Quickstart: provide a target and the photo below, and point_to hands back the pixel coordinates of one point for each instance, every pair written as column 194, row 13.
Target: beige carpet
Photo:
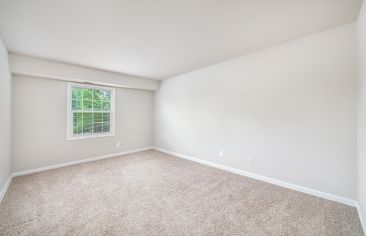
column 151, row 193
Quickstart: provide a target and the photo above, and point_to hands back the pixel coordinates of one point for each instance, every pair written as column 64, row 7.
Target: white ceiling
column 161, row 38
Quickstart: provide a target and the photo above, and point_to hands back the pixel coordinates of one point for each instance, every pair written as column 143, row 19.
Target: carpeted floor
column 151, row 193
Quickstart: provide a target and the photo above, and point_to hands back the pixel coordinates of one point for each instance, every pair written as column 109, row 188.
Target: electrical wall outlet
column 251, row 159
column 118, row 144
column 221, row 153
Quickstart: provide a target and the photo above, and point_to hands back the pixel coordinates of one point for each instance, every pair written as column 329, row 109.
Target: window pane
column 106, row 95
column 76, row 93
column 87, row 105
column 98, row 117
column 87, row 123
column 106, row 117
column 76, row 105
column 87, row 94
column 106, row 106
column 78, row 130
column 97, row 105
column 90, row 109
column 77, row 117
column 97, row 94
column 97, row 128
column 106, row 127
column 77, row 123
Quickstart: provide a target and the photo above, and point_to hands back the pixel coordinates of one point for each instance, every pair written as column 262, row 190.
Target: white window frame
column 70, row 132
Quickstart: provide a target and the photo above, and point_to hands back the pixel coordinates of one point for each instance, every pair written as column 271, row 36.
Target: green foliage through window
column 91, row 110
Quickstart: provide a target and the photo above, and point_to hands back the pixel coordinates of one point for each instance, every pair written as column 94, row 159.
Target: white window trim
column 69, row 125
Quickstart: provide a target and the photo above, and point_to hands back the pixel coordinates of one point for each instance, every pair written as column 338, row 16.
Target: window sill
column 89, row 136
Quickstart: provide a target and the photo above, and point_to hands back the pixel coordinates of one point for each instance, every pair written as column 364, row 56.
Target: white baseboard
column 5, row 187
column 26, row 172
column 360, row 215
column 281, row 183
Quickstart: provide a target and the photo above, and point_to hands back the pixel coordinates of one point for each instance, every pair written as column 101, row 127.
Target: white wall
column 291, row 107
column 36, row 67
column 39, row 124
column 361, row 128
column 5, row 115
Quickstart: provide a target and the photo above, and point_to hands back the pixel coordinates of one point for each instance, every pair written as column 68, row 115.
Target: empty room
column 182, row 117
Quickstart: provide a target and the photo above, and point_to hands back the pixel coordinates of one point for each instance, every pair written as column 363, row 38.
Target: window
column 90, row 111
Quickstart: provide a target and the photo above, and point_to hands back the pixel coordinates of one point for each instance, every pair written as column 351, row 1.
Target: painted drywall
column 39, row 124
column 291, row 107
column 5, row 117
column 36, row 67
column 361, row 111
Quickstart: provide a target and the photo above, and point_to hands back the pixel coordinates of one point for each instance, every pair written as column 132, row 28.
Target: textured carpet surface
column 151, row 193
